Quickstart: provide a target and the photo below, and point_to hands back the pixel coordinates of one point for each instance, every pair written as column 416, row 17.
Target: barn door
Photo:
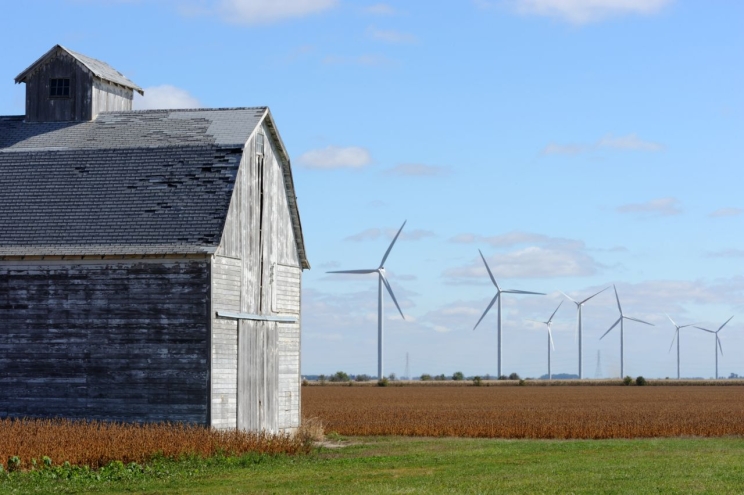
column 258, row 376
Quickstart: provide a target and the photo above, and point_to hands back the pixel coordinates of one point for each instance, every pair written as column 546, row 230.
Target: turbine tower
column 497, row 297
column 382, row 280
column 579, row 305
column 620, row 321
column 549, row 323
column 676, row 336
column 718, row 341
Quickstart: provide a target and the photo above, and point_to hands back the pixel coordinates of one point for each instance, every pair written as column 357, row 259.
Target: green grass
column 449, row 465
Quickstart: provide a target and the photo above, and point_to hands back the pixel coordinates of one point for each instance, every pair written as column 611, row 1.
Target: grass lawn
column 446, row 465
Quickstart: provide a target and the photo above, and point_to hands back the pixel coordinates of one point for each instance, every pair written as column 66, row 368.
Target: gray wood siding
column 268, row 354
column 113, row 340
column 226, row 273
column 40, row 107
column 107, row 97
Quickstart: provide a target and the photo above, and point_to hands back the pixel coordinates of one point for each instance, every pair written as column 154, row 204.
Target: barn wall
column 107, row 97
column 115, row 340
column 264, row 356
column 41, row 108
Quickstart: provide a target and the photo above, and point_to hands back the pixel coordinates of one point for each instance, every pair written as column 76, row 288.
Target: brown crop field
column 95, row 444
column 528, row 412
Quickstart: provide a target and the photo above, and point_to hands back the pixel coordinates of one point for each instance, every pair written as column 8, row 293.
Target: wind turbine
column 718, row 341
column 497, row 297
column 620, row 321
column 676, row 336
column 549, row 323
column 380, row 271
column 579, row 305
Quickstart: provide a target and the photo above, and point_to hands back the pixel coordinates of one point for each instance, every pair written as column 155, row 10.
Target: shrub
column 425, row 377
column 521, row 383
column 383, row 383
column 457, row 375
column 514, row 376
column 322, row 379
column 477, row 381
column 627, row 380
column 640, row 381
column 340, row 376
column 305, row 383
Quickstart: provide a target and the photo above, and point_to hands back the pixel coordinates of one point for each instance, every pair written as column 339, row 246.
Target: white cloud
column 630, row 142
column 726, row 212
column 391, row 36
column 661, row 207
column 406, row 235
column 333, row 157
column 163, row 97
column 268, row 11
column 417, row 170
column 517, row 237
column 587, row 11
column 379, row 9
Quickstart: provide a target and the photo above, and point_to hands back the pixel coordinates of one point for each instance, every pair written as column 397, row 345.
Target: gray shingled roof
column 100, row 69
column 143, row 182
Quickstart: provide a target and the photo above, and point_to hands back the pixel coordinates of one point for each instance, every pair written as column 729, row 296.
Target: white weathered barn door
column 258, row 376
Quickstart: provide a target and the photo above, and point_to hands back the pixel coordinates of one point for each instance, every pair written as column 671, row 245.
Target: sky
column 577, row 143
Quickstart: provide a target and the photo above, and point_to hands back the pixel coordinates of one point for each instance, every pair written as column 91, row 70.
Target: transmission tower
column 598, row 371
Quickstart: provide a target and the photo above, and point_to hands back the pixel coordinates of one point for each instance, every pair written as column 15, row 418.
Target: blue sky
column 577, row 143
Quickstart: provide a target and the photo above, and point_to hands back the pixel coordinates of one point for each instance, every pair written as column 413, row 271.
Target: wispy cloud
column 391, row 36
column 417, row 170
column 727, row 253
column 630, row 142
column 726, row 212
column 333, row 157
column 536, row 256
column 367, row 60
column 269, row 11
column 379, row 9
column 581, row 12
column 661, row 207
column 163, row 97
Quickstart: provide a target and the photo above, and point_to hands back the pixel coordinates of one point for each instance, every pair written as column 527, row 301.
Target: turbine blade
column 554, row 312
column 613, row 326
column 676, row 335
column 639, row 321
column 670, row 319
column 598, row 293
column 690, row 325
column 569, row 297
column 719, row 344
column 705, row 330
column 354, row 271
column 390, row 291
column 489, row 270
column 490, row 305
column 382, row 263
column 618, row 300
column 719, row 328
column 523, row 292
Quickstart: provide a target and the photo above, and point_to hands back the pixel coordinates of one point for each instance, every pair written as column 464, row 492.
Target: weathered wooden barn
column 150, row 261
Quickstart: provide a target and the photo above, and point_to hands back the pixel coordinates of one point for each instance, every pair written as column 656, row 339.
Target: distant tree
column 502, row 377
column 627, row 380
column 733, row 376
column 477, row 381
column 640, row 381
column 457, row 376
column 362, row 378
column 392, row 377
column 425, row 377
column 339, row 376
column 322, row 379
column 486, row 376
column 440, row 377
column 514, row 376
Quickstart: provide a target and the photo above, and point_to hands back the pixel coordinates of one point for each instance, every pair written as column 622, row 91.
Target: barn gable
column 133, row 245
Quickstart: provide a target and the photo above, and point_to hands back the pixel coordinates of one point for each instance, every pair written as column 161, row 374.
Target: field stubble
column 529, row 412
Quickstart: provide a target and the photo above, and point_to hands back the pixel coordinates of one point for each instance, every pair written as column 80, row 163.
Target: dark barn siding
column 112, row 340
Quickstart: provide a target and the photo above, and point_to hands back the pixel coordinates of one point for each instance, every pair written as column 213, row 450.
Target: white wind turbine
column 718, row 341
column 579, row 305
column 676, row 336
column 620, row 321
column 497, row 297
column 380, row 271
column 549, row 323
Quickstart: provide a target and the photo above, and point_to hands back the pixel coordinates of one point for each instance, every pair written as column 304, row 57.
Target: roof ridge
column 200, row 109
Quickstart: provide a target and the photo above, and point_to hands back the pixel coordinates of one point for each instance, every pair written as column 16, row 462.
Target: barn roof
column 100, row 69
column 128, row 183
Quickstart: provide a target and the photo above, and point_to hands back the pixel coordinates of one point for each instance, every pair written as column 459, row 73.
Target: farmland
column 564, row 412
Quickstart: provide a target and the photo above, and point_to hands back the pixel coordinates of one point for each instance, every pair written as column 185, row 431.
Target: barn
column 150, row 261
